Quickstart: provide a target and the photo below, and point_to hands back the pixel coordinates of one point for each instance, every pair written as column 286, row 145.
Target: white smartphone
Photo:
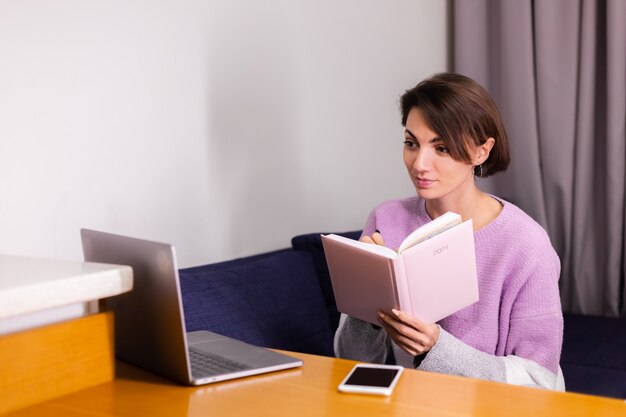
column 371, row 379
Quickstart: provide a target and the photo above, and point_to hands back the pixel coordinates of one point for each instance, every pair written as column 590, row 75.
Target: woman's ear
column 482, row 152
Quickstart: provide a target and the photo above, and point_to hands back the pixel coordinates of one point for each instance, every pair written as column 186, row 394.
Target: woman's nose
column 422, row 161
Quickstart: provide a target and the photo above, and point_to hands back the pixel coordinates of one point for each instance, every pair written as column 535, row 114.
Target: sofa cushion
column 232, row 262
column 271, row 300
column 593, row 359
column 594, row 341
column 593, row 380
column 312, row 243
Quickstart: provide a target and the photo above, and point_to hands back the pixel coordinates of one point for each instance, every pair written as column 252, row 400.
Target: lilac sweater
column 519, row 309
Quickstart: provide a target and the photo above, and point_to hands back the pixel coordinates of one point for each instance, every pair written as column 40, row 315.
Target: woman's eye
column 409, row 143
column 442, row 149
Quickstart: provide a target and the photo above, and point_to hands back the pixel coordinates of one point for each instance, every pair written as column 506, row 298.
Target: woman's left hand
column 412, row 335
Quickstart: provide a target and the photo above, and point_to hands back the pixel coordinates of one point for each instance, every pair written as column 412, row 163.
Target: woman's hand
column 412, row 335
column 376, row 239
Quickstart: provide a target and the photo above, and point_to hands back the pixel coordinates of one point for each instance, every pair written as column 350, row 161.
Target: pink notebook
column 430, row 280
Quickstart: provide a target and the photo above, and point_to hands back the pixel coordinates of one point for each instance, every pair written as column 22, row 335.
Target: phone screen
column 372, row 377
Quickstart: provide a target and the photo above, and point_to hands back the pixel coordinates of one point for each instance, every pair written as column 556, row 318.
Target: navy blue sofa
column 284, row 300
column 594, row 355
column 281, row 299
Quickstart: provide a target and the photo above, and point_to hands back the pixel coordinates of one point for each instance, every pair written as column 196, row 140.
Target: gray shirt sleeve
column 358, row 340
column 452, row 356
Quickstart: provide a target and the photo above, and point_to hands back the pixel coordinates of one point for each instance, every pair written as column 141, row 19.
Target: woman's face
column 432, row 170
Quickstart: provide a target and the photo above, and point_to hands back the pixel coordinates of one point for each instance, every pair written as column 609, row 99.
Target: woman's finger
column 366, row 239
column 419, row 340
column 406, row 331
column 409, row 320
column 404, row 342
column 378, row 238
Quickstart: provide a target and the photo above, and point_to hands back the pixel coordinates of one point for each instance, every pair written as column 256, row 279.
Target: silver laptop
column 150, row 325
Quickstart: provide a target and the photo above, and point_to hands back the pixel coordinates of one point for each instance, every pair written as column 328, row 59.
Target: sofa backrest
column 272, row 300
column 312, row 243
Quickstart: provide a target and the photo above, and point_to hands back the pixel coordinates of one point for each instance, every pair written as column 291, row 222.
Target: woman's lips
column 424, row 182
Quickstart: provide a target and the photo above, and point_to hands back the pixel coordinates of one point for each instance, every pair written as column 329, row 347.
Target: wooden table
column 312, row 391
column 47, row 332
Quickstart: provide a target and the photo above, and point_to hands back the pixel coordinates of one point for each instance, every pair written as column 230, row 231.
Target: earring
column 478, row 168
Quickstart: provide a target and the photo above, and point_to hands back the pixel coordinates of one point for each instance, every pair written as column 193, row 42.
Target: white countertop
column 29, row 285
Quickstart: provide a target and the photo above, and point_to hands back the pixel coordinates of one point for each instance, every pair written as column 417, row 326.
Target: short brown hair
column 462, row 113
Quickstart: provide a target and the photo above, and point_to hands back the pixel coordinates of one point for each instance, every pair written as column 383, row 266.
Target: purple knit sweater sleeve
column 519, row 253
column 519, row 310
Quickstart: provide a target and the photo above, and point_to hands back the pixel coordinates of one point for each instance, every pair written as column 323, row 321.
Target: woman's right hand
column 376, row 239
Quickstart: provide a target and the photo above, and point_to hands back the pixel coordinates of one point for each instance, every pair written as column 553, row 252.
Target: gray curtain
column 557, row 70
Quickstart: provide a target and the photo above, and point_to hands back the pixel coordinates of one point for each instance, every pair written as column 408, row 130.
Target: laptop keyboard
column 207, row 364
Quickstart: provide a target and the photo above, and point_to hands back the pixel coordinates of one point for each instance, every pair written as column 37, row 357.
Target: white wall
column 224, row 127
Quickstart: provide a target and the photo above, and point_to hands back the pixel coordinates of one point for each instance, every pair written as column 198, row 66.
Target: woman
column 454, row 133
